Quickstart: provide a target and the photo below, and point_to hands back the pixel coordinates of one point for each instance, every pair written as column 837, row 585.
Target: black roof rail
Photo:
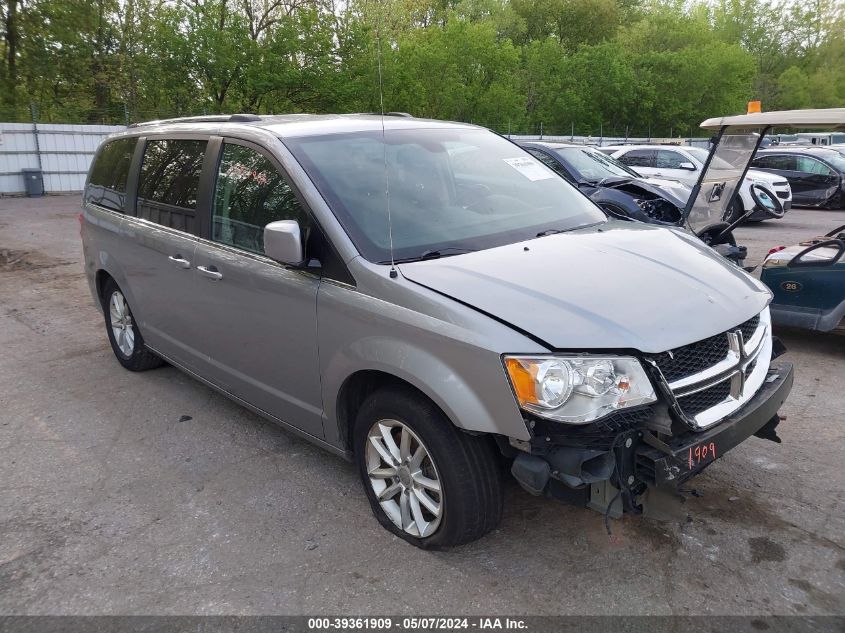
column 206, row 118
column 401, row 114
column 243, row 118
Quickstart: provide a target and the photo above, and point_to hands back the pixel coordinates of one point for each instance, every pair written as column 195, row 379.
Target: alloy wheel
column 404, row 478
column 121, row 323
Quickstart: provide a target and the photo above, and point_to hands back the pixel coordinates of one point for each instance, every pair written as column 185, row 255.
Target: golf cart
column 808, row 283
column 735, row 143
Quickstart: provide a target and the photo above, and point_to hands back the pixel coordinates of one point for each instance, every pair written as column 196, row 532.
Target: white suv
column 685, row 164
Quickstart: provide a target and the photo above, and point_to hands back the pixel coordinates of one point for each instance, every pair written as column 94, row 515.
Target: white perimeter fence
column 62, row 152
column 603, row 141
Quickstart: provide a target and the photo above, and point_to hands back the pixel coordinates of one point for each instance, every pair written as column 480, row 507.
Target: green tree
column 458, row 72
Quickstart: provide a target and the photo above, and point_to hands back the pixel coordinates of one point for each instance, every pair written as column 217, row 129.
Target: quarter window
column 169, row 183
column 250, row 193
column 107, row 184
column 812, row 166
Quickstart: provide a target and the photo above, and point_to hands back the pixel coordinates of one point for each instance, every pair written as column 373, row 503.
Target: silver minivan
column 427, row 299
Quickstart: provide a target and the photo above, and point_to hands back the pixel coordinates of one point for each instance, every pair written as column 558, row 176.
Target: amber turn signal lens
column 522, row 380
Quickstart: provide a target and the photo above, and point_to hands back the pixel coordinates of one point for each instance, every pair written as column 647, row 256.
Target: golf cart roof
column 830, row 118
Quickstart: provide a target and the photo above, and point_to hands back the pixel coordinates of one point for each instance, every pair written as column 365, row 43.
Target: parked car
column 624, row 194
column 426, row 299
column 808, row 282
column 816, row 174
column 616, row 188
column 686, row 164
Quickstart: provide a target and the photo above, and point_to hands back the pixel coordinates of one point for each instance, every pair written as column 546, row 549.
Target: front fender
column 441, row 382
column 618, row 198
column 460, row 370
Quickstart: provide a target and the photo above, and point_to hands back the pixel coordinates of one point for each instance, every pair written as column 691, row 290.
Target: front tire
column 124, row 335
column 427, row 482
column 735, row 211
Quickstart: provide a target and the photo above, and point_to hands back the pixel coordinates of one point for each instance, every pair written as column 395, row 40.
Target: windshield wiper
column 612, row 180
column 605, row 182
column 432, row 254
column 445, row 252
column 551, row 232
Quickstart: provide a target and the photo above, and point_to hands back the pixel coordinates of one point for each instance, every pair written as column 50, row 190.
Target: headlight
column 645, row 205
column 578, row 389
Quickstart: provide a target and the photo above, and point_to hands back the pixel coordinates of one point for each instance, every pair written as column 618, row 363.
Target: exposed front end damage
column 652, row 203
column 714, row 394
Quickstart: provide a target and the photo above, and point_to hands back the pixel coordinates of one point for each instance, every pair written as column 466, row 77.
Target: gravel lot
column 111, row 504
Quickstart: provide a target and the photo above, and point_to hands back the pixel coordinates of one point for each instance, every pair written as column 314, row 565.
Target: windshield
column 718, row 183
column 699, row 153
column 702, row 154
column 836, row 158
column 450, row 190
column 591, row 165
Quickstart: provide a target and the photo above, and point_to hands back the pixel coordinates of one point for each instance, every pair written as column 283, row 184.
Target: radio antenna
column 393, row 272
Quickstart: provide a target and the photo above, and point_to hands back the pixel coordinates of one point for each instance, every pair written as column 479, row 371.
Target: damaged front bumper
column 660, row 463
column 579, row 470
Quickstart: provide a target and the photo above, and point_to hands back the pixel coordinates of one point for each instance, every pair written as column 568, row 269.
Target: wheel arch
column 421, row 372
column 109, row 268
column 357, row 388
column 100, row 279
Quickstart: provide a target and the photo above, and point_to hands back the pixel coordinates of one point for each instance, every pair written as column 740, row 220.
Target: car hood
column 618, row 285
column 673, row 190
column 675, row 187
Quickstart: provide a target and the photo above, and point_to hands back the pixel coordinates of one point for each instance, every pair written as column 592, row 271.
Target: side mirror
column 688, row 166
column 283, row 242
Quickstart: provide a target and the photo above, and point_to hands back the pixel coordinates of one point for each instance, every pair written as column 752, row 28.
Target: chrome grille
column 713, row 377
column 699, row 401
column 749, row 327
column 692, row 359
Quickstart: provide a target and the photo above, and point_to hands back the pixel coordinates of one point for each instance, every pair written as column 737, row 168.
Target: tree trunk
column 12, row 47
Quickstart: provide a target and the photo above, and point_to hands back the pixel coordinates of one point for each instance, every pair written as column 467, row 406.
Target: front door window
column 250, row 193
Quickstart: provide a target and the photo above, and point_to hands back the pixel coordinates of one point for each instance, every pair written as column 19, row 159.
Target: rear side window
column 109, row 173
column 785, row 163
column 169, row 183
column 251, row 193
column 638, row 158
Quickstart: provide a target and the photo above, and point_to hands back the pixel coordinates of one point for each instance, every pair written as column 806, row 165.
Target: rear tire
column 450, row 495
column 126, row 340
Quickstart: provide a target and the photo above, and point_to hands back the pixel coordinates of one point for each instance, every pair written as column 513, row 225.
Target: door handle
column 179, row 261
column 211, row 272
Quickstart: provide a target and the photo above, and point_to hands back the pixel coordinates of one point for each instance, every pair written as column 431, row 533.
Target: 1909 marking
column 701, row 454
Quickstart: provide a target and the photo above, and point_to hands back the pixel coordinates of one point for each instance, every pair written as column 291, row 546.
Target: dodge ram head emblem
column 736, row 342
